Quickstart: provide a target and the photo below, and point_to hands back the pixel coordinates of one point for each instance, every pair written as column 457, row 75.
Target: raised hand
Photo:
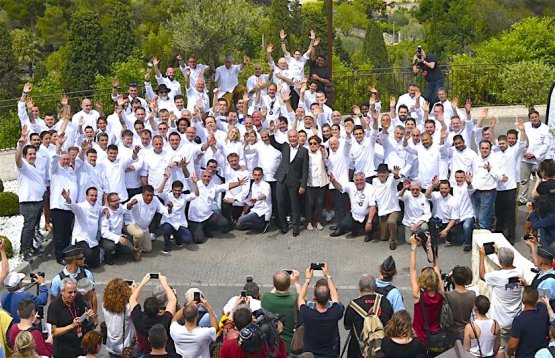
column 435, row 181
column 23, row 139
column 136, row 149
column 492, row 122
column 484, row 113
column 179, row 58
column 115, row 83
column 147, row 76
column 392, row 102
column 312, row 35
column 426, row 107
column 316, row 41
column 454, row 102
column 194, row 178
column 269, row 48
column 356, row 110
column 65, row 194
column 155, row 61
column 468, row 105
column 167, row 173
column 396, row 170
column 64, row 100
column 406, row 184
column 243, row 180
column 282, row 35
column 520, row 125
column 27, row 87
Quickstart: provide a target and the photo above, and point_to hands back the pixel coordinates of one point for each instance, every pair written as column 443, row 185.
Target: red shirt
column 433, row 308
column 230, row 349
column 41, row 347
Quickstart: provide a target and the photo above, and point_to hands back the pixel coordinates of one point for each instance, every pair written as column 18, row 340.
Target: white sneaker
column 309, row 227
column 319, row 226
column 152, row 236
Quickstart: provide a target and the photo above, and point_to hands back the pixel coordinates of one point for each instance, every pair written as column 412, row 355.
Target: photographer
column 191, row 340
column 27, row 311
column 506, row 284
column 17, row 292
column 243, row 317
column 427, row 64
column 541, row 215
column 461, row 301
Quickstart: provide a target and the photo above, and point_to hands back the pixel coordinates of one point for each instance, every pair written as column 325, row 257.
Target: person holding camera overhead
column 427, row 64
column 17, row 292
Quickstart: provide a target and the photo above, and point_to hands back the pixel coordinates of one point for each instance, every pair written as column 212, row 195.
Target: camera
column 262, row 332
column 316, row 266
column 422, row 237
column 34, row 275
column 448, row 283
column 419, row 53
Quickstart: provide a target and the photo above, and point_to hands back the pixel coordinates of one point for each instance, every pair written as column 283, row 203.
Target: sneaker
column 152, row 236
column 467, row 248
column 136, row 255
column 309, row 227
column 166, row 252
column 28, row 257
column 319, row 227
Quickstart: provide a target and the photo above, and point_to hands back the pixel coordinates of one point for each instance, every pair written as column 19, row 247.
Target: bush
column 526, row 82
column 9, row 204
column 8, row 246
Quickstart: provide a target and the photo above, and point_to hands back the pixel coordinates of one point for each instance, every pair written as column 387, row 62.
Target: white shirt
column 296, row 67
column 417, row 209
column 132, row 177
column 173, row 85
column 227, row 78
column 461, row 159
column 89, row 118
column 239, row 193
column 462, row 195
column 177, row 217
column 538, row 142
column 338, row 162
column 386, row 195
column 410, row 102
column 115, row 176
column 362, row 154
column 253, row 81
column 154, row 166
column 268, row 159
column 195, row 343
column 445, row 208
column 30, row 181
column 508, row 162
column 261, row 207
column 317, row 175
column 85, row 227
column 142, row 213
column 293, row 152
column 428, row 161
column 254, row 305
column 201, row 207
column 505, row 303
column 90, row 176
column 42, row 163
column 361, row 200
column 61, row 178
column 195, row 73
column 193, row 96
column 114, row 323
column 111, row 228
column 483, row 179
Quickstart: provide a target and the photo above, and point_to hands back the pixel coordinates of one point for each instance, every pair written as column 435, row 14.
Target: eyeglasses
column 163, row 91
column 313, row 143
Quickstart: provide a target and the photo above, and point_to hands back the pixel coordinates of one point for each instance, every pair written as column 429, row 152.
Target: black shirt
column 143, row 323
column 320, row 329
column 429, row 73
column 321, row 72
column 413, row 349
column 546, row 187
column 353, row 318
column 67, row 345
column 167, row 355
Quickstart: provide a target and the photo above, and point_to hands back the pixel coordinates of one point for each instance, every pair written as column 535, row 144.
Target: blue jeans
column 31, row 211
column 484, row 201
column 464, row 231
column 431, row 90
column 182, row 235
column 251, row 221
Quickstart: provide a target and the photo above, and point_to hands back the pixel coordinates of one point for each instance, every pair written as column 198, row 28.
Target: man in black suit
column 291, row 176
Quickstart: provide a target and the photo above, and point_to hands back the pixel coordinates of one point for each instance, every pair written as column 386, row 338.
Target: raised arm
column 282, row 37
column 134, row 298
column 20, row 144
column 333, row 290
column 170, row 295
column 415, row 289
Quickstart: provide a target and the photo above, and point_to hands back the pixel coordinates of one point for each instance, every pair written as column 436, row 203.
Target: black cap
column 388, row 265
column 72, row 252
column 163, row 87
column 545, row 252
column 133, row 84
column 382, row 168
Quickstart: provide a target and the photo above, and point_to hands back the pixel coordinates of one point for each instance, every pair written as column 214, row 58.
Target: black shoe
column 61, row 262
column 266, row 228
column 333, row 227
column 28, row 257
column 367, row 238
column 337, row 232
column 296, row 231
column 37, row 252
column 208, row 235
column 467, row 248
column 108, row 261
column 283, row 230
column 178, row 244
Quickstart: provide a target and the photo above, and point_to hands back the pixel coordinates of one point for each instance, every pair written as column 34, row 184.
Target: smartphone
column 83, row 317
column 488, row 247
column 154, row 276
column 196, row 296
column 290, row 272
column 513, row 280
column 243, row 293
column 131, row 282
column 316, row 266
column 40, row 311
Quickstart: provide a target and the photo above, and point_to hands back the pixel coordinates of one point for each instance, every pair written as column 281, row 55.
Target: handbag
column 127, row 352
column 436, row 343
column 297, row 341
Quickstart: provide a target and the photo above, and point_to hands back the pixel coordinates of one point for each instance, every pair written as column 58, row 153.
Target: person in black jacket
column 291, row 176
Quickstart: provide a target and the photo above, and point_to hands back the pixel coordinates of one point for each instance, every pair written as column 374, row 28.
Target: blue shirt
column 531, row 328
column 548, row 283
column 544, row 352
column 11, row 301
column 56, row 280
column 394, row 296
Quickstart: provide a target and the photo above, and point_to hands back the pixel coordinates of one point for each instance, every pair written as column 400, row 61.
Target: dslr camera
column 262, row 332
column 419, row 53
column 34, row 275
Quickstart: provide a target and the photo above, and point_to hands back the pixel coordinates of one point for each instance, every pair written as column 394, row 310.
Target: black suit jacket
column 291, row 173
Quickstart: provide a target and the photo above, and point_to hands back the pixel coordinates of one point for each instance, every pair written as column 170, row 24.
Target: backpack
column 536, row 282
column 384, row 291
column 372, row 333
column 446, row 318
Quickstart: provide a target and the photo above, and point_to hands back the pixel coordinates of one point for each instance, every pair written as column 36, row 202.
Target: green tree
column 23, row 12
column 119, row 37
column 218, row 27
column 314, row 18
column 348, row 16
column 52, row 27
column 373, row 46
column 8, row 66
column 86, row 57
column 26, row 47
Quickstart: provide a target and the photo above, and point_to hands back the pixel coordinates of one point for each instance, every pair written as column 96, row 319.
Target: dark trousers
column 275, row 211
column 201, row 229
column 505, row 213
column 231, row 213
column 294, row 97
column 251, row 221
column 131, row 192
column 431, row 90
column 111, row 248
column 314, row 204
column 182, row 236
column 31, row 211
column 436, row 227
column 92, row 255
column 285, row 192
column 347, row 223
column 62, row 222
column 339, row 205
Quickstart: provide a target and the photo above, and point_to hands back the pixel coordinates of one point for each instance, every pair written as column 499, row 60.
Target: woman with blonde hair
column 427, row 290
column 400, row 340
column 233, row 144
column 117, row 315
column 24, row 346
column 251, row 150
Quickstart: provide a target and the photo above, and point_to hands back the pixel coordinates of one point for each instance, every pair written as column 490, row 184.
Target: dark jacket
column 293, row 173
